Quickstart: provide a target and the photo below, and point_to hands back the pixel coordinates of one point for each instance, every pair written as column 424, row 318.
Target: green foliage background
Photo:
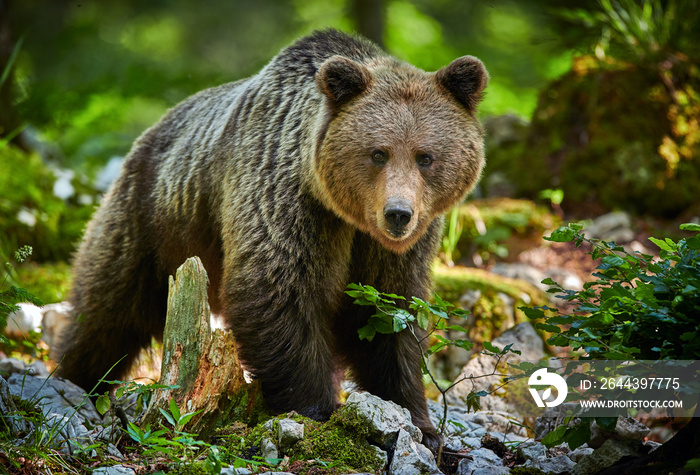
column 82, row 79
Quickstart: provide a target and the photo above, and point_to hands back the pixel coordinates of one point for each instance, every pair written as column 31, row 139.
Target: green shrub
column 31, row 214
column 637, row 308
column 620, row 129
column 11, row 296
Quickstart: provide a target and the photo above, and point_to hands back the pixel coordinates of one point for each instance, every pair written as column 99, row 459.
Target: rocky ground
column 490, row 441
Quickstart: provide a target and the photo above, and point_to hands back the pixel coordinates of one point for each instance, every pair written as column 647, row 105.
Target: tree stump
column 203, row 364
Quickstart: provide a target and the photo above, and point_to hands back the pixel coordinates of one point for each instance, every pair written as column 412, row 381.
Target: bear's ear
column 465, row 78
column 341, row 79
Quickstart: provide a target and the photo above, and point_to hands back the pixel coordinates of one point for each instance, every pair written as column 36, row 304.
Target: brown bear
column 331, row 165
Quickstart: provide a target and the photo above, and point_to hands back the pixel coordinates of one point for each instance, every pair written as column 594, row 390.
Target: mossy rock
column 502, row 227
column 340, row 444
column 615, row 135
column 451, row 283
column 494, row 307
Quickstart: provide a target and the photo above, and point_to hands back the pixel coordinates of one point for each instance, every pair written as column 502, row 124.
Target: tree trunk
column 203, row 364
column 369, row 17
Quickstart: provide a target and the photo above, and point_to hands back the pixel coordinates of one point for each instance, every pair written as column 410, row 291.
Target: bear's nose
column 398, row 213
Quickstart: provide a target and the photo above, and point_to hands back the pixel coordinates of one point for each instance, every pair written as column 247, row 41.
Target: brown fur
column 271, row 181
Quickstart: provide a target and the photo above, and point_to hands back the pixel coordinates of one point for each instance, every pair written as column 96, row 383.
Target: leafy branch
column 637, row 307
column 389, row 318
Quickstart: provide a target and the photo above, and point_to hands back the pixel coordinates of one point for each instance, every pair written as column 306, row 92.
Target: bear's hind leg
column 113, row 319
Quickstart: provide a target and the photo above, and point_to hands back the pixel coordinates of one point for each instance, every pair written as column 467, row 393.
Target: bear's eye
column 379, row 157
column 424, row 159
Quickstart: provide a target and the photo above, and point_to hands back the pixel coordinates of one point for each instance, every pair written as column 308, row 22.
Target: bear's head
column 400, row 146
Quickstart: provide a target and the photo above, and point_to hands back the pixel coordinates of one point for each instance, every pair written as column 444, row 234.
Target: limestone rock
column 56, row 318
column 615, row 226
column 557, row 465
column 410, row 457
column 532, row 450
column 384, row 418
column 27, row 318
column 289, row 433
column 525, row 339
column 113, row 470
column 606, row 456
column 626, row 428
column 483, row 461
column 580, row 452
column 269, row 449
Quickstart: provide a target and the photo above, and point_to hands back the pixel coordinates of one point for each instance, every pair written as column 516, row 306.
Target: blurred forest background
column 592, row 106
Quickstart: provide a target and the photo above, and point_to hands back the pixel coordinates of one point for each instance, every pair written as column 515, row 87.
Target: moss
column 502, row 227
column 490, row 313
column 196, row 468
column 614, row 135
column 342, row 440
column 340, row 444
column 249, row 406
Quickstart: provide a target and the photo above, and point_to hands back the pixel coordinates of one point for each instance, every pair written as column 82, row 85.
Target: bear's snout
column 398, row 213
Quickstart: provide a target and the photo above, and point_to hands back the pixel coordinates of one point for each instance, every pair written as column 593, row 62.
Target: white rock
column 12, row 365
column 615, row 226
column 289, row 433
column 557, row 465
column 410, row 457
column 532, row 450
column 384, row 418
column 27, row 318
column 606, row 456
column 524, row 338
column 56, row 317
column 113, row 470
column 580, row 452
column 269, row 450
column 483, row 461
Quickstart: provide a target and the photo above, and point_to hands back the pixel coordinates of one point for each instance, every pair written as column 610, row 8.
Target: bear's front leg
column 285, row 344
column 279, row 293
column 390, row 365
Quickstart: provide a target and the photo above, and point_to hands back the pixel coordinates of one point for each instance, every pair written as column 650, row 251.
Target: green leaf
column 174, row 409
column 666, row 245
column 436, row 347
column 102, row 404
column 548, row 328
column 367, row 332
column 690, row 227
column 464, row 344
column 488, row 346
column 689, row 336
column 422, row 319
column 168, row 417
column 555, row 437
column 579, row 435
column 693, row 243
column 563, row 234
column 613, row 261
column 187, row 417
column 532, row 313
